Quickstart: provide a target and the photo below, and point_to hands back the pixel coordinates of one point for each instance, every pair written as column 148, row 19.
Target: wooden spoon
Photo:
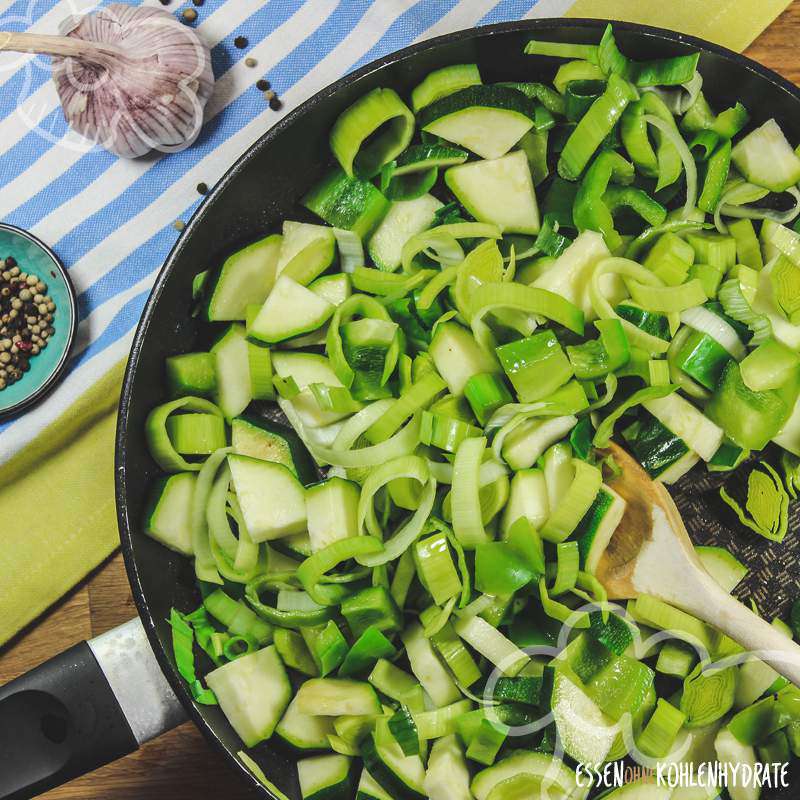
column 651, row 553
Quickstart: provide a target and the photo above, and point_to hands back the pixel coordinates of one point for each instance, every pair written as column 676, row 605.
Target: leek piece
column 587, row 52
column 770, row 366
column 158, row 440
column 713, row 324
column 708, row 695
column 394, row 683
column 655, row 613
column 491, row 644
column 467, row 522
column 411, row 467
column 606, row 428
column 418, row 396
column 593, row 128
column 785, row 279
column 668, row 299
column 458, row 659
column 445, row 433
column 312, row 570
column 579, row 70
column 567, row 567
column 561, row 612
column 371, row 132
column 659, row 372
column 182, row 648
column 675, row 659
column 736, row 306
column 492, row 297
column 435, row 567
column 486, row 743
column 726, row 124
column 672, row 135
column 442, row 721
column 237, row 617
column 643, row 277
column 766, row 506
column 663, row 163
column 659, row 734
column 748, row 250
column 574, row 504
column 713, row 248
column 579, row 96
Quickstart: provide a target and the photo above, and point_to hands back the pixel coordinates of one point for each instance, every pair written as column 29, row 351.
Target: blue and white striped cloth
column 110, row 220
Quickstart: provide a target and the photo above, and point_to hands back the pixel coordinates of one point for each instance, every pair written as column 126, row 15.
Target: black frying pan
column 63, row 719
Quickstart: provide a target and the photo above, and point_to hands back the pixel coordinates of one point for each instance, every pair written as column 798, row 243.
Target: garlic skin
column 140, row 81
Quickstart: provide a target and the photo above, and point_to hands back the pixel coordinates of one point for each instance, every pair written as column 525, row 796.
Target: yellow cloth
column 731, row 23
column 57, row 514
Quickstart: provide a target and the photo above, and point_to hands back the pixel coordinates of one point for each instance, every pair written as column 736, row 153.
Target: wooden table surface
column 180, row 765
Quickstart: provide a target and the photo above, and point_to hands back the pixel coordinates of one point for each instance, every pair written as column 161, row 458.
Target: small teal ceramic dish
column 35, row 258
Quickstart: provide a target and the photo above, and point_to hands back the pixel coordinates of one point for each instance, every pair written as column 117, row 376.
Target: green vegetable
column 766, row 506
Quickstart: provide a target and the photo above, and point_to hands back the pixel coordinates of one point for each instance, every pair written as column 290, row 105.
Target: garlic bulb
column 130, row 78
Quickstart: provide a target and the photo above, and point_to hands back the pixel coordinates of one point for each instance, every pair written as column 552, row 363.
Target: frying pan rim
column 297, row 114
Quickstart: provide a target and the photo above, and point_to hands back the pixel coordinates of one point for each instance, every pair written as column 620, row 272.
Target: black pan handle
column 88, row 706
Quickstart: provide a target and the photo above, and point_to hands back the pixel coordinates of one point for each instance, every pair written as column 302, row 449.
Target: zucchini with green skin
column 487, row 120
column 253, row 692
column 232, row 367
column 332, row 509
column 559, row 779
column 457, row 356
column 272, row 499
column 244, row 278
column 597, row 526
column 304, row 731
column 345, row 202
column 168, row 515
column 290, row 310
column 306, row 251
column 498, row 191
column 405, row 219
column 399, row 775
column 325, row 778
column 262, row 438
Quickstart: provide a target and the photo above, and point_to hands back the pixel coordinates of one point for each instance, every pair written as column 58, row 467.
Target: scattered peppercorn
column 198, row 2
column 165, row 2
column 274, row 103
column 179, row 224
column 250, row 62
column 262, row 85
column 26, row 317
column 189, row 14
column 241, row 42
column 202, row 188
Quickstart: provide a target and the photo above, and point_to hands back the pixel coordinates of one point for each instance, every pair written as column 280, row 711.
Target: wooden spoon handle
column 716, row 607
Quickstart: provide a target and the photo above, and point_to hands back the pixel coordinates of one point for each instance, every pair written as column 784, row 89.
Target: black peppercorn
column 241, row 42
